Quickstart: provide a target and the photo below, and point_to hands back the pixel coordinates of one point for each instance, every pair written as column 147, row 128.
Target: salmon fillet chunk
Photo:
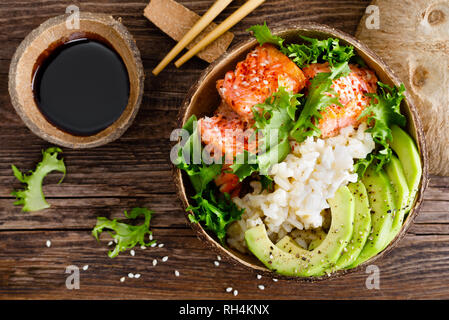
column 258, row 77
column 352, row 91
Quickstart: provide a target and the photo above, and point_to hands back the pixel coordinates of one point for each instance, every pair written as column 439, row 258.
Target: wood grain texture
column 135, row 171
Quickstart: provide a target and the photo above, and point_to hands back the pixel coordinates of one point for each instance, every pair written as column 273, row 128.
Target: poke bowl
column 338, row 184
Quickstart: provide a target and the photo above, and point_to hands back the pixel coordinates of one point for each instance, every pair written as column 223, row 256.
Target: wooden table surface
column 135, row 171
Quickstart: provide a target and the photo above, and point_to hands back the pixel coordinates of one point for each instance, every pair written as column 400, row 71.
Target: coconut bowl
column 203, row 99
column 36, row 47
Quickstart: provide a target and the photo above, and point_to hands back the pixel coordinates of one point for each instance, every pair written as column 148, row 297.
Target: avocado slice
column 381, row 199
column 321, row 235
column 408, row 154
column 362, row 226
column 401, row 194
column 289, row 259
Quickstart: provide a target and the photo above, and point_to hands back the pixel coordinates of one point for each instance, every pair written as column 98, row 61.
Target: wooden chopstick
column 199, row 26
column 232, row 20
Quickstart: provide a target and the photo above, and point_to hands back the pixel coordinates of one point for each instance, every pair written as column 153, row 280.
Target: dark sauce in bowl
column 81, row 86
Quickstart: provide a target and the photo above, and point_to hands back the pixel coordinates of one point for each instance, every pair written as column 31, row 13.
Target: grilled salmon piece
column 258, row 77
column 352, row 91
column 227, row 132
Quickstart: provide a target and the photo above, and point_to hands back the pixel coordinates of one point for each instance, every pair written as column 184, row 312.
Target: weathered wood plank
column 418, row 262
column 82, row 212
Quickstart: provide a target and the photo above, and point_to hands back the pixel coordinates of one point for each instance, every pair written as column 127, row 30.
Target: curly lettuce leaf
column 215, row 210
column 32, row 197
column 125, row 236
column 312, row 51
column 320, row 96
column 383, row 112
column 263, row 35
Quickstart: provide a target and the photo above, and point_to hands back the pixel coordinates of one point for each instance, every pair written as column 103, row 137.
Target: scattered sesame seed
column 229, row 289
column 271, row 256
column 132, row 252
column 115, row 240
column 143, row 247
column 110, row 243
column 176, row 273
column 122, row 279
column 259, row 276
column 153, row 245
column 48, row 243
column 137, row 275
column 265, row 82
column 216, row 263
column 275, row 280
column 236, row 292
column 218, row 258
column 150, row 237
column 86, row 267
column 164, row 258
column 130, row 275
column 154, row 262
column 261, row 287
column 160, row 245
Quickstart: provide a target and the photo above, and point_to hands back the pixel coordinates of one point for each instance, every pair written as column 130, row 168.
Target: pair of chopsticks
column 200, row 25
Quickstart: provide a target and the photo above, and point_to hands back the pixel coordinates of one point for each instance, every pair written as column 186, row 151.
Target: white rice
column 303, row 182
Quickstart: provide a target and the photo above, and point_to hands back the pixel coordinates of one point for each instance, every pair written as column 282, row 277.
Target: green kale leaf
column 32, row 197
column 126, row 236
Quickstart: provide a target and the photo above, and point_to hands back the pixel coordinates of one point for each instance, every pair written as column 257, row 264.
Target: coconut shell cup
column 203, row 99
column 39, row 44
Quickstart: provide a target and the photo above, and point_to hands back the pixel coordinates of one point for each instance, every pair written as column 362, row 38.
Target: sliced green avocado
column 381, row 199
column 408, row 154
column 362, row 226
column 401, row 194
column 289, row 259
column 321, row 235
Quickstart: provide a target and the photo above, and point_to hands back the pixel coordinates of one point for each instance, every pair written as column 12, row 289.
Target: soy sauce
column 81, row 86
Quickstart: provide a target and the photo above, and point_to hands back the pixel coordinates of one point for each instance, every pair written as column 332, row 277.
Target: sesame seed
column 110, row 243
column 265, row 82
column 259, row 276
column 122, row 279
column 115, row 240
column 154, row 262
column 132, row 252
column 48, row 243
column 218, row 258
column 236, row 292
column 153, row 245
column 150, row 237
column 130, row 275
column 164, row 259
column 137, row 275
column 160, row 245
column 229, row 289
column 271, row 256
column 261, row 287
column 86, row 267
column 176, row 273
column 143, row 247
column 275, row 280
column 216, row 263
